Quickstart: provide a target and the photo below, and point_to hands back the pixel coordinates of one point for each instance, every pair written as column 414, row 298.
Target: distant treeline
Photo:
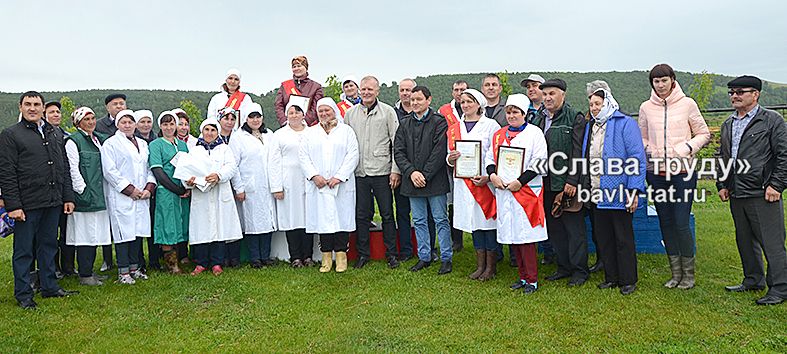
column 629, row 88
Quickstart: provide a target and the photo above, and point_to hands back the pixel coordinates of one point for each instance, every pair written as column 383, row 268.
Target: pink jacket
column 678, row 121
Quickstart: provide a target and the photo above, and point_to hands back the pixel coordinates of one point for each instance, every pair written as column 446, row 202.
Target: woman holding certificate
column 475, row 208
column 515, row 163
column 213, row 218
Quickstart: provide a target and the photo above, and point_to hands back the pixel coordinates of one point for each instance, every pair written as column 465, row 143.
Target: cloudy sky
column 69, row 45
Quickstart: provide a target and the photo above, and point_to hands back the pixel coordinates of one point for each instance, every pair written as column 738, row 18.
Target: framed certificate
column 469, row 163
column 510, row 163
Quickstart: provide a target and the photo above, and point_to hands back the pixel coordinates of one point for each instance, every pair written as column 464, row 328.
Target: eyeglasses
column 738, row 92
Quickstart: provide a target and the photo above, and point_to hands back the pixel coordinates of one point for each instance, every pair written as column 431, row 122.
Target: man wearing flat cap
column 115, row 103
column 563, row 126
column 758, row 136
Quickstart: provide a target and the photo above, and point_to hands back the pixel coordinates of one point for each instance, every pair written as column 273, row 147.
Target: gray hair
column 597, row 84
column 371, row 78
column 409, row 79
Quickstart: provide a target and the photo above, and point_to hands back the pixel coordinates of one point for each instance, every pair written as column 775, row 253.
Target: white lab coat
column 330, row 155
column 85, row 228
column 513, row 226
column 213, row 216
column 256, row 178
column 218, row 102
column 291, row 211
column 468, row 215
column 123, row 165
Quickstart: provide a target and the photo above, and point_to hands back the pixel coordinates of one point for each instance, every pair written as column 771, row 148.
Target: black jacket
column 106, row 126
column 422, row 146
column 764, row 146
column 34, row 171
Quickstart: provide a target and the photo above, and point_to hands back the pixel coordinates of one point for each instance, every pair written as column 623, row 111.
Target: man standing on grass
column 36, row 189
column 758, row 136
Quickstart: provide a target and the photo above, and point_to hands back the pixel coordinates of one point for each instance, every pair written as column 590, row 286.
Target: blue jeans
column 259, row 246
column 439, row 207
column 674, row 217
column 485, row 240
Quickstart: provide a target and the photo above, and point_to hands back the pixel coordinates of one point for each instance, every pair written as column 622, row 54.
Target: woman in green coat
column 171, row 219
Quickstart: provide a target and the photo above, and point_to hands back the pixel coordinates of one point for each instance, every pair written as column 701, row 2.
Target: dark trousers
column 376, row 186
column 616, row 241
column 526, row 261
column 674, row 217
column 259, row 246
column 335, row 242
column 232, row 251
column 40, row 226
column 404, row 230
column 154, row 253
column 300, row 244
column 485, row 240
column 106, row 252
column 183, row 250
column 65, row 253
column 568, row 237
column 759, row 227
column 86, row 257
column 128, row 255
column 209, row 254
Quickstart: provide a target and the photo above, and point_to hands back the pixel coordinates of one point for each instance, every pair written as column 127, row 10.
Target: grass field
column 377, row 309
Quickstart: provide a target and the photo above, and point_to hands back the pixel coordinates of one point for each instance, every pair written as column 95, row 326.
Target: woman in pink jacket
column 673, row 131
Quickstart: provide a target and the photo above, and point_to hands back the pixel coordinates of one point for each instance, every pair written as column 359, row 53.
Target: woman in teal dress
column 171, row 221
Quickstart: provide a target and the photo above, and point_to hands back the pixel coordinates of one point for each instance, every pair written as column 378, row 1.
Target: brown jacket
column 308, row 88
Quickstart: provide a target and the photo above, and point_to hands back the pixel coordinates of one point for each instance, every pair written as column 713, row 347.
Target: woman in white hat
column 171, row 217
column 256, row 184
column 213, row 218
column 229, row 97
column 520, row 198
column 474, row 199
column 88, row 226
column 145, row 132
column 328, row 157
column 124, row 159
column 144, row 120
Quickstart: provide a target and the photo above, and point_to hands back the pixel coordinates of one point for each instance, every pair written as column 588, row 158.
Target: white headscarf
column 232, row 71
column 79, row 114
column 478, row 97
column 166, row 113
column 123, row 113
column 209, row 121
column 328, row 101
column 142, row 113
column 607, row 109
column 518, row 100
column 254, row 107
column 290, row 104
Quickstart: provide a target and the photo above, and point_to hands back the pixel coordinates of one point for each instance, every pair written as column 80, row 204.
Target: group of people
column 320, row 173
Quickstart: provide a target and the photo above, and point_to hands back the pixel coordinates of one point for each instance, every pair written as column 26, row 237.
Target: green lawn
column 377, row 309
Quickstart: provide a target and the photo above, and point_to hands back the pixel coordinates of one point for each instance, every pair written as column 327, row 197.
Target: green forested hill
column 630, row 89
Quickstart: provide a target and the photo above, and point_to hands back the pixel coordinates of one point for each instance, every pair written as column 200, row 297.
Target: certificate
column 510, row 163
column 468, row 165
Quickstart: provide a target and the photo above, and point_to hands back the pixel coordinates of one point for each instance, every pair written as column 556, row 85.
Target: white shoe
column 126, row 279
column 138, row 274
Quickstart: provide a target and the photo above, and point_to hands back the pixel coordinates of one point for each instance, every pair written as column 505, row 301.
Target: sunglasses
column 738, row 92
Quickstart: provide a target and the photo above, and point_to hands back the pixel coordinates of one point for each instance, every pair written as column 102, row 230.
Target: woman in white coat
column 88, row 226
column 474, row 199
column 213, row 218
column 291, row 210
column 124, row 159
column 229, row 97
column 328, row 157
column 520, row 211
column 256, row 184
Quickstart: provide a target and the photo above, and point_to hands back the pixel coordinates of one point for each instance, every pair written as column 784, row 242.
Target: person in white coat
column 256, row 184
column 328, row 158
column 124, row 160
column 230, row 97
column 291, row 210
column 474, row 198
column 213, row 218
column 520, row 211
column 88, row 226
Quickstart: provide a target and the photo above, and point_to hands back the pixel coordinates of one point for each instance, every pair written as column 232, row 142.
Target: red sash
column 290, row 89
column 448, row 112
column 532, row 204
column 235, row 100
column 482, row 194
column 343, row 107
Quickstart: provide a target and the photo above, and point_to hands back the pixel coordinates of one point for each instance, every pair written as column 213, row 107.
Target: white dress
column 85, row 228
column 213, row 216
column 123, row 165
column 291, row 210
column 468, row 215
column 330, row 155
column 254, row 159
column 513, row 225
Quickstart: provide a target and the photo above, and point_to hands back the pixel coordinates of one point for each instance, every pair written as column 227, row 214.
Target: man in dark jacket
column 36, row 189
column 115, row 103
column 491, row 87
column 567, row 233
column 758, row 136
column 64, row 260
column 420, row 149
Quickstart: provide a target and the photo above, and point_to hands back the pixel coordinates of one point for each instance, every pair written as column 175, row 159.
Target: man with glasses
column 758, row 136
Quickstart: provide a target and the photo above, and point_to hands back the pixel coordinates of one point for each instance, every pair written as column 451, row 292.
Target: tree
column 333, row 88
column 195, row 115
column 507, row 90
column 67, row 108
column 701, row 90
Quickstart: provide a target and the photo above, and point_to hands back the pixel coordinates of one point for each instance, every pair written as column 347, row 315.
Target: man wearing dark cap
column 758, row 136
column 563, row 127
column 115, row 102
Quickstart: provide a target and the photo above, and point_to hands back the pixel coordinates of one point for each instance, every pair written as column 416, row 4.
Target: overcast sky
column 189, row 45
